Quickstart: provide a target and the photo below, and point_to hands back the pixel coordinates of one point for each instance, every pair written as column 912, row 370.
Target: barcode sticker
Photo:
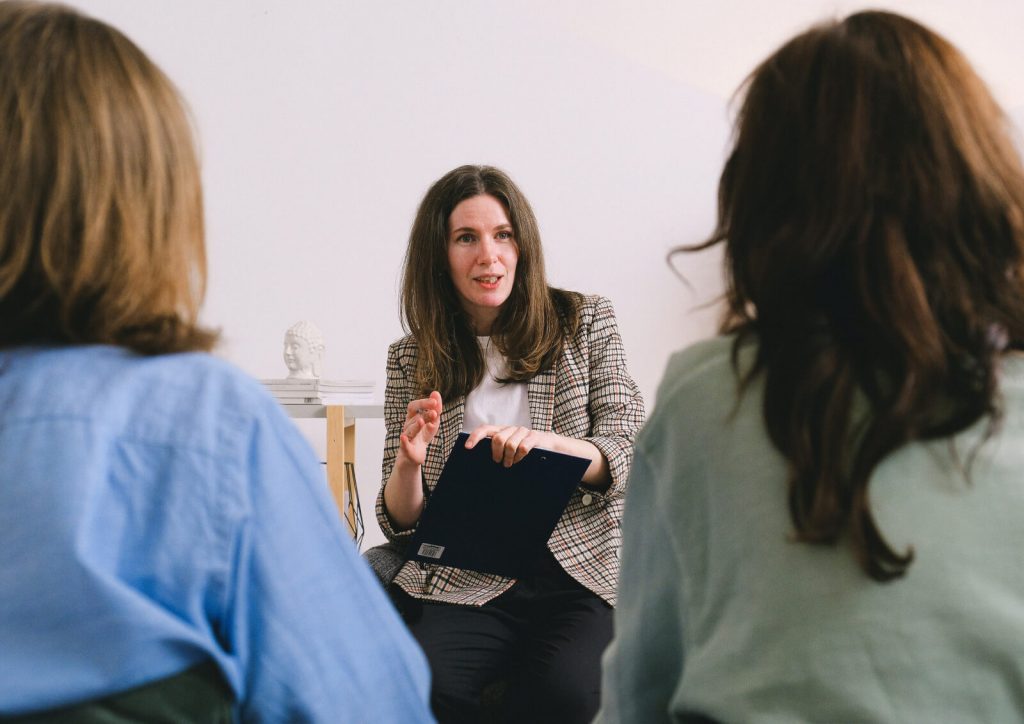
column 429, row 550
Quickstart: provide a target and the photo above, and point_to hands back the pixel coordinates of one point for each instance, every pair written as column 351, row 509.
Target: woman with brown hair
column 168, row 549
column 492, row 349
column 826, row 510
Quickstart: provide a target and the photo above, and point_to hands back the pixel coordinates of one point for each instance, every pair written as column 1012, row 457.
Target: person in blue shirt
column 168, row 547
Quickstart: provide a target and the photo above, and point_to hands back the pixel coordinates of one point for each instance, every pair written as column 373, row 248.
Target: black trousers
column 544, row 637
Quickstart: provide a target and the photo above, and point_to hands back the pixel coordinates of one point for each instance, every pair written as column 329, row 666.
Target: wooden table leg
column 341, row 449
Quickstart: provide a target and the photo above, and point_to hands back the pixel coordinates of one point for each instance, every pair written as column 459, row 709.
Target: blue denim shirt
column 159, row 511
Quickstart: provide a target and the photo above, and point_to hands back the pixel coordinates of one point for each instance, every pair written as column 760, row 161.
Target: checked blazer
column 589, row 395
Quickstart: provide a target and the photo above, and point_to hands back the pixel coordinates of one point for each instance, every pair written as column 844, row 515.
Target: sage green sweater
column 720, row 614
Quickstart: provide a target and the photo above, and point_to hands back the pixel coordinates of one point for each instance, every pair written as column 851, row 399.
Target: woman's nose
column 488, row 251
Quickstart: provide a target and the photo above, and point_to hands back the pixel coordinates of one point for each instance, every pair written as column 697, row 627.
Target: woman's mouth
column 488, row 282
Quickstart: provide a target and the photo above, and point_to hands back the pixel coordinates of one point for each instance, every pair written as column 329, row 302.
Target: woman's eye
column 505, row 235
column 464, row 239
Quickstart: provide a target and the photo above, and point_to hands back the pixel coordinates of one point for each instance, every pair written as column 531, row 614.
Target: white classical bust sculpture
column 303, row 351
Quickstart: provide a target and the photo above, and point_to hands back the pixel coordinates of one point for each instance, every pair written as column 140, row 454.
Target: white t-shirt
column 494, row 403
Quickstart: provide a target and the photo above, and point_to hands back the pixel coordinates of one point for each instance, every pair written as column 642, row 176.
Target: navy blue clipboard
column 488, row 518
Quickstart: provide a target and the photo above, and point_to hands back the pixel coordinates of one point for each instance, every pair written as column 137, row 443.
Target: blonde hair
column 101, row 212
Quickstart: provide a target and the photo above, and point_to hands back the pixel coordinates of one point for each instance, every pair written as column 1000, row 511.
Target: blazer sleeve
column 615, row 405
column 398, row 393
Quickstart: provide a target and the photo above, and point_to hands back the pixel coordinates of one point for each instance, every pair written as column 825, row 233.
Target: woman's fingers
column 423, row 415
column 413, row 426
column 426, row 406
column 510, row 445
column 524, row 448
column 479, row 434
column 431, row 402
column 422, row 419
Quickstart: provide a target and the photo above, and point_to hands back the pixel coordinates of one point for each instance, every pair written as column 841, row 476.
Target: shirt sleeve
column 616, row 407
column 643, row 665
column 314, row 634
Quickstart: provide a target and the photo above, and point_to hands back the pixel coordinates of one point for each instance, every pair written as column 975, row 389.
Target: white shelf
column 352, row 412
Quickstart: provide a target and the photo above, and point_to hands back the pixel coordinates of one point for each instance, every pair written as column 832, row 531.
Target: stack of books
column 321, row 392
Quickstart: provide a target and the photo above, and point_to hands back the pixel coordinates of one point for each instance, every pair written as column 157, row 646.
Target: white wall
column 322, row 123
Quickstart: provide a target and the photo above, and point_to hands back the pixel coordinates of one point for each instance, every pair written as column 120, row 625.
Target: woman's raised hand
column 422, row 419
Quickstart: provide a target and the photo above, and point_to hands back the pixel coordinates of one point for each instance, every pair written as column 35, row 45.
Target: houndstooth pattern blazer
column 588, row 395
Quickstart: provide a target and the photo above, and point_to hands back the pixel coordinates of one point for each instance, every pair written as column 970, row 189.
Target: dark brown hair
column 533, row 323
column 872, row 211
column 101, row 214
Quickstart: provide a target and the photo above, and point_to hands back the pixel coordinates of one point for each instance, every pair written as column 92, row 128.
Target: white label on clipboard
column 429, row 550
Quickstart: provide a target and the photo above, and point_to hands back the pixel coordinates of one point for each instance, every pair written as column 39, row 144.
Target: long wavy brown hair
column 872, row 211
column 531, row 326
column 101, row 213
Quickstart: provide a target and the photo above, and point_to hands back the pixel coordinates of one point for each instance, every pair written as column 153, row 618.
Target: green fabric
column 721, row 614
column 198, row 694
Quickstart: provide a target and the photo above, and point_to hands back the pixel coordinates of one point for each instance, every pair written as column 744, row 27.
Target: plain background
column 323, row 122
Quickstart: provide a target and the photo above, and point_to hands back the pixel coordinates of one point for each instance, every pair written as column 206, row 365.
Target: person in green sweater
column 825, row 514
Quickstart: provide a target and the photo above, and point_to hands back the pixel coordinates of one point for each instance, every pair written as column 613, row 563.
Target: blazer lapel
column 451, row 424
column 541, row 394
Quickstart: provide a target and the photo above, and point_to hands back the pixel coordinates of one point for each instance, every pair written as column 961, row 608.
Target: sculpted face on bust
column 299, row 357
column 303, row 351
